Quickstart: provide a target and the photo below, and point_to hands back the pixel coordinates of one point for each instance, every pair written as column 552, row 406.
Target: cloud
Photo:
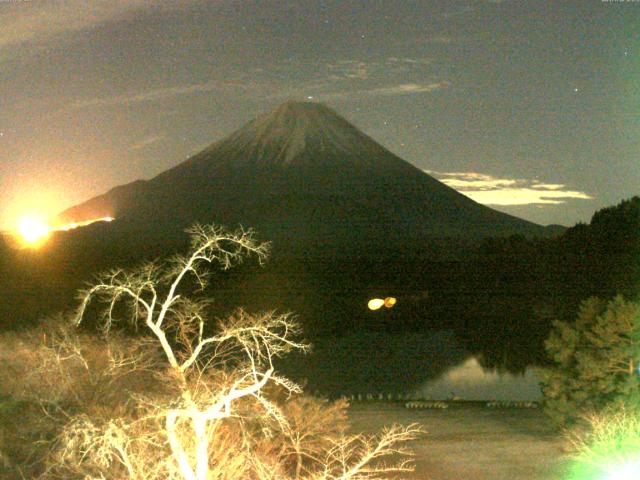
column 38, row 21
column 408, row 60
column 146, row 141
column 524, row 196
column 357, row 79
column 365, row 70
column 405, row 88
column 386, row 91
column 351, row 69
column 160, row 93
column 346, row 80
column 490, row 190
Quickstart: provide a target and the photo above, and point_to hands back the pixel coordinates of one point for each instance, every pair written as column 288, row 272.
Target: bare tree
column 209, row 376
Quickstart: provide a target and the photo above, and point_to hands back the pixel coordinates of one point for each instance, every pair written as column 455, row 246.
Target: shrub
column 594, row 360
column 51, row 373
column 606, row 446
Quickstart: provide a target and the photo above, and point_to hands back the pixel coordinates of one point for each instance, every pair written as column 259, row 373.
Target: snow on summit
column 295, row 127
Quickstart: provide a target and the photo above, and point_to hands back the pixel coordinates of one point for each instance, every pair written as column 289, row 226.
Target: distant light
column 375, row 303
column 378, row 303
column 32, row 231
column 310, row 97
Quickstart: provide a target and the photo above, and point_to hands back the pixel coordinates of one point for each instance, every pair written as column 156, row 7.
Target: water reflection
column 376, row 362
column 469, row 381
column 426, row 365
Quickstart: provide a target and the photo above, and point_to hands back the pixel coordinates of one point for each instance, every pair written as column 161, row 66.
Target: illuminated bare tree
column 211, row 376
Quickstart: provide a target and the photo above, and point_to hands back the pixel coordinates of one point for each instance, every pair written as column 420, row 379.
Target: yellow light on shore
column 375, row 303
column 378, row 303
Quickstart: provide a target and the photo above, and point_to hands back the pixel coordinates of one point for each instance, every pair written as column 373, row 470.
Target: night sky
column 531, row 107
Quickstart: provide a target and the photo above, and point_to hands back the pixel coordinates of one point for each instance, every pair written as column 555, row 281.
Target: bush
column 606, row 446
column 54, row 372
column 594, row 361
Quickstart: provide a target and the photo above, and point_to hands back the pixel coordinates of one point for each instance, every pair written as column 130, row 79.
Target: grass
column 607, row 447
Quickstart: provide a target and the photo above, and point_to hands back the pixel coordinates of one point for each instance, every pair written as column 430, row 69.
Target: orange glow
column 33, row 232
column 378, row 303
column 72, row 225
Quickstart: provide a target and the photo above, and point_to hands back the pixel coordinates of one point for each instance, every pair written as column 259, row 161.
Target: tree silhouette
column 210, row 378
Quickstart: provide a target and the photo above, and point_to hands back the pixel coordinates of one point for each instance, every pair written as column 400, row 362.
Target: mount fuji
column 301, row 175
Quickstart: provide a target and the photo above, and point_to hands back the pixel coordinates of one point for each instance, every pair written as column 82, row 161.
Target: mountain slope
column 300, row 174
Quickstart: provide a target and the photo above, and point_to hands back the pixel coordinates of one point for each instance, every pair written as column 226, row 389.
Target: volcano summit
column 301, row 175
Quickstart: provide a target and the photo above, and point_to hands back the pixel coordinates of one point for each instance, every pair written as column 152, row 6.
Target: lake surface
column 469, row 381
column 431, row 364
column 472, row 442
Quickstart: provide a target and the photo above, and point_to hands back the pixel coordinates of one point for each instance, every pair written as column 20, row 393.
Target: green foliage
column 516, row 287
column 594, row 360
